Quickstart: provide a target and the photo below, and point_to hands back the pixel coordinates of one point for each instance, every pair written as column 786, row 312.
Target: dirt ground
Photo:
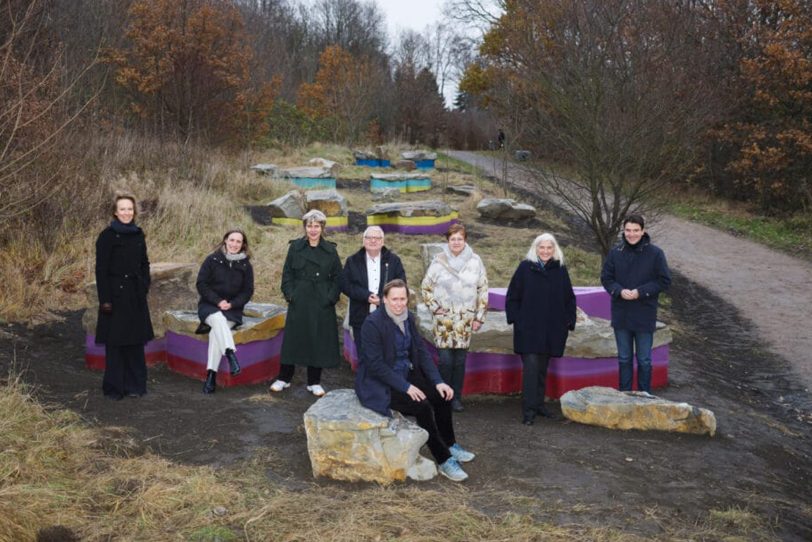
column 759, row 460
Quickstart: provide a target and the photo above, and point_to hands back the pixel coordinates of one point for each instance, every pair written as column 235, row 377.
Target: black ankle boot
column 211, row 382
column 233, row 364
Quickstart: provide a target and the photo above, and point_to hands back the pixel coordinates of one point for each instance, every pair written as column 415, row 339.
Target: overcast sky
column 412, row 14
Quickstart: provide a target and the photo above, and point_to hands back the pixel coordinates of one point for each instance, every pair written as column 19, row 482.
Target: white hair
column 371, row 229
column 532, row 255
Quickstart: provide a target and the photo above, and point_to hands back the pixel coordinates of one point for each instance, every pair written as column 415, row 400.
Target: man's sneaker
column 279, row 385
column 316, row 390
column 452, row 470
column 460, row 454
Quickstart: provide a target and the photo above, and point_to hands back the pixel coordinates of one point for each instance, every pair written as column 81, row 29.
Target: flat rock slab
column 314, row 172
column 334, row 167
column 614, row 409
column 417, row 156
column 266, row 322
column 430, row 217
column 346, row 441
column 505, row 209
column 593, row 337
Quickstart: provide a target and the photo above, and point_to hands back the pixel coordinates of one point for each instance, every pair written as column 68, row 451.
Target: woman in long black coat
column 122, row 283
column 311, row 284
column 540, row 304
column 225, row 283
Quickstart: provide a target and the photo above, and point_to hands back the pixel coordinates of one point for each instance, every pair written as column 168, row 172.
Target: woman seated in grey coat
column 225, row 284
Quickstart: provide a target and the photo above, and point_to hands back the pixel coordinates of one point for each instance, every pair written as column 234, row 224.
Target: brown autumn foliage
column 342, row 96
column 769, row 140
column 186, row 69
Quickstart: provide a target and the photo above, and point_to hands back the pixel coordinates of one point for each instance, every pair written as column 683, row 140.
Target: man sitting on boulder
column 395, row 371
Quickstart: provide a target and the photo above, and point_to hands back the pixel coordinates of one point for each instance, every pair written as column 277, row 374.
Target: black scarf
column 126, row 229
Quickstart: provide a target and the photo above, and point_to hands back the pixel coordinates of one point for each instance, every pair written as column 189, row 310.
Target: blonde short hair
column 314, row 215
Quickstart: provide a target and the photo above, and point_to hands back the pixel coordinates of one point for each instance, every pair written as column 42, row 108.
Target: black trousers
column 356, row 336
column 534, row 382
column 432, row 414
column 125, row 371
column 313, row 374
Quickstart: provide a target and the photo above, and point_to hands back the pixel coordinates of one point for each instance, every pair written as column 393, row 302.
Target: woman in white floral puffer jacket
column 455, row 289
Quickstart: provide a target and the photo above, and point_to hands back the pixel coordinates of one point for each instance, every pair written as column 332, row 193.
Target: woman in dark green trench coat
column 311, row 284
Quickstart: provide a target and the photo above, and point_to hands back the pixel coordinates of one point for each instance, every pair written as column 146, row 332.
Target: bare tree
column 36, row 108
column 613, row 88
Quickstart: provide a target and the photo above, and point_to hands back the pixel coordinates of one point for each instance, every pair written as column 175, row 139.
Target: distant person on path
column 225, row 283
column 311, row 284
column 365, row 274
column 455, row 289
column 122, row 282
column 540, row 303
column 500, row 139
column 634, row 274
column 395, row 371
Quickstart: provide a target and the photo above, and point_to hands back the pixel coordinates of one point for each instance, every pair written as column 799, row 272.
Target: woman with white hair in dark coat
column 540, row 304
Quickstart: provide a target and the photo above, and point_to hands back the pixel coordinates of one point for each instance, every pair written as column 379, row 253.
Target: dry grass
column 100, row 485
column 190, row 196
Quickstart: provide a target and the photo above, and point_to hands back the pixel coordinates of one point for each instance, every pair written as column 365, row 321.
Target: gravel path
column 770, row 289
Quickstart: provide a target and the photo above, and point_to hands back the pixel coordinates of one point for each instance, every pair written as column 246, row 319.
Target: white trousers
column 220, row 338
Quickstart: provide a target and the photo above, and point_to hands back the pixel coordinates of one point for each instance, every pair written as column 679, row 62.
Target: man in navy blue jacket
column 395, row 371
column 634, row 274
column 364, row 276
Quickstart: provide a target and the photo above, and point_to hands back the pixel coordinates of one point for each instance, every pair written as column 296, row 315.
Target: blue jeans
column 629, row 343
column 452, row 368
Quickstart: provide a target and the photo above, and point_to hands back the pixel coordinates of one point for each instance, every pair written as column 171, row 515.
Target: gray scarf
column 399, row 320
column 234, row 257
column 458, row 262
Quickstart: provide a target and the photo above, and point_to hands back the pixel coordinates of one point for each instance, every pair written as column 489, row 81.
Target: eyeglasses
column 373, row 238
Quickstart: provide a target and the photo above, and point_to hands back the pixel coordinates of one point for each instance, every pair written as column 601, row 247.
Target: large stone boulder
column 172, row 286
column 346, row 441
column 427, row 253
column 614, row 409
column 291, row 205
column 329, row 202
column 505, row 209
column 261, row 321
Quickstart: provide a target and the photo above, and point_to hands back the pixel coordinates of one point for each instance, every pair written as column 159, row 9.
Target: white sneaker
column 316, row 390
column 279, row 385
